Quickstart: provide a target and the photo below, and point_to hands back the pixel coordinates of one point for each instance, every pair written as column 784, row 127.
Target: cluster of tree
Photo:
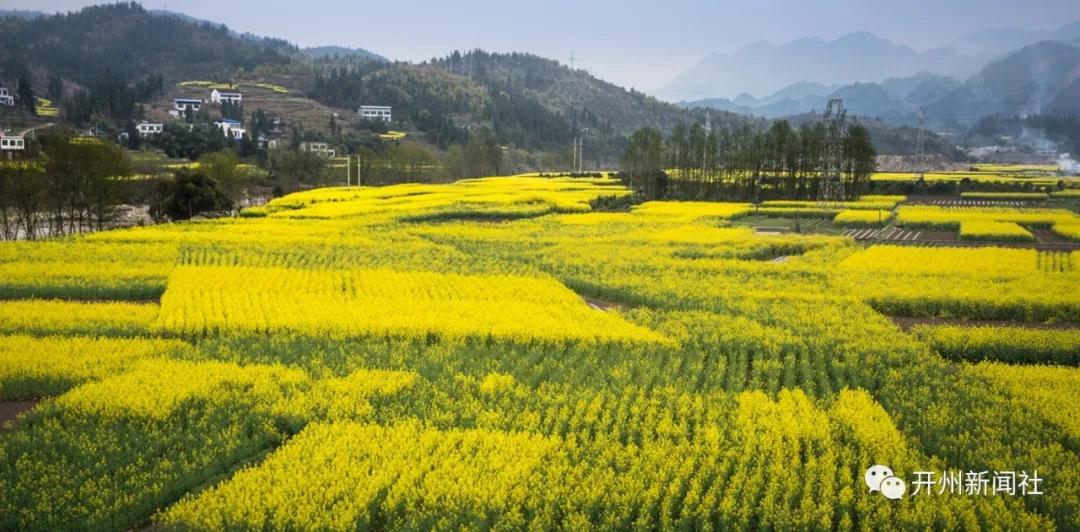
column 743, row 163
column 111, row 96
column 406, row 162
column 292, row 168
column 219, row 183
column 24, row 90
column 188, row 194
column 232, row 110
column 523, row 121
column 25, row 94
column 481, row 156
column 73, row 184
column 189, row 140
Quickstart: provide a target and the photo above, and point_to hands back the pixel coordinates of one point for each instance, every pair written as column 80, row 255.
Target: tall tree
column 133, row 140
column 860, row 157
column 56, row 89
column 223, row 168
column 26, row 96
column 643, row 163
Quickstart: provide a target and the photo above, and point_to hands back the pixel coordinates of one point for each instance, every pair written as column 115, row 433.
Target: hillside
column 1024, row 83
column 125, row 42
column 528, row 102
column 565, row 90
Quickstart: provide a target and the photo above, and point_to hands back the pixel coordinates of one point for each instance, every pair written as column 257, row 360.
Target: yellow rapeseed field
column 503, row 353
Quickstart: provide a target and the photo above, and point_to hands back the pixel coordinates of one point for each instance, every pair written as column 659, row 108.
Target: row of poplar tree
column 745, row 163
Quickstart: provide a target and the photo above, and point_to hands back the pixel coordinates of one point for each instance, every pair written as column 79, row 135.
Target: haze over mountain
column 763, row 68
column 1042, row 78
column 894, row 100
column 1038, row 78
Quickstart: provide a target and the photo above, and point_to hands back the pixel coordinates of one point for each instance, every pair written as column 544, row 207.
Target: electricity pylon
column 831, row 190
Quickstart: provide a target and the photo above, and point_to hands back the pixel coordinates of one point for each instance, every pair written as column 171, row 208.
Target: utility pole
column 578, row 163
column 581, row 154
column 920, row 167
column 705, row 145
column 571, row 60
column 348, row 170
column 573, row 162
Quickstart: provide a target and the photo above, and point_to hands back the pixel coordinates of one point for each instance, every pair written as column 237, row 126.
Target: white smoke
column 1037, row 140
column 1067, row 164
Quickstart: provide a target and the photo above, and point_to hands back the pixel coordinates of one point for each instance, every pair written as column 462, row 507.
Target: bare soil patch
column 9, row 410
column 600, row 304
column 906, row 324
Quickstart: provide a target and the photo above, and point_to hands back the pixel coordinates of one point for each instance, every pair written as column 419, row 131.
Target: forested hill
column 565, row 90
column 525, row 100
column 107, row 60
column 123, row 41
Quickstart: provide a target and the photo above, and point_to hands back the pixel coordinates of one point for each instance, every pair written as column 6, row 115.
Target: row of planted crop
column 449, row 479
column 932, row 216
column 181, row 424
column 857, row 341
column 1006, row 344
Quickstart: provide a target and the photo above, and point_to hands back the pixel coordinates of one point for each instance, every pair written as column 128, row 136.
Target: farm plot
column 425, row 357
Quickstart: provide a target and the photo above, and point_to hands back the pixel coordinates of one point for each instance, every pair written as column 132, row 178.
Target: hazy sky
column 637, row 44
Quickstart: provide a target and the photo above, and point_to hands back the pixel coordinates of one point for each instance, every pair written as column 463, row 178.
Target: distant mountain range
column 1039, row 78
column 763, row 68
column 895, row 100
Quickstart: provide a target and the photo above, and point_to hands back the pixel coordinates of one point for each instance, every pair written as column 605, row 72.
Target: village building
column 375, row 112
column 182, row 105
column 219, row 97
column 320, row 148
column 6, row 98
column 12, row 143
column 149, row 129
column 231, row 128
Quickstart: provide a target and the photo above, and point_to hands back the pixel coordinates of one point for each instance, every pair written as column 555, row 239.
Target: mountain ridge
column 763, row 68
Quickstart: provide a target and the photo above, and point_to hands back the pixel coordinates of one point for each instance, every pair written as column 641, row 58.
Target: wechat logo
column 881, row 479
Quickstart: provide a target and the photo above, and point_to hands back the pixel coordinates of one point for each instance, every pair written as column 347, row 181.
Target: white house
column 6, row 98
column 376, row 112
column 12, row 143
column 149, row 129
column 219, row 97
column 181, row 105
column 320, row 148
column 236, row 133
column 231, row 128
